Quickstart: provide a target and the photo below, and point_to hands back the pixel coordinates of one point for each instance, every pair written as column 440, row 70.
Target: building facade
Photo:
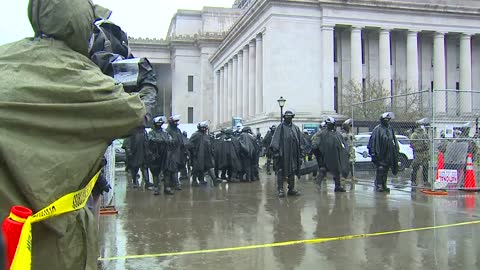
column 237, row 62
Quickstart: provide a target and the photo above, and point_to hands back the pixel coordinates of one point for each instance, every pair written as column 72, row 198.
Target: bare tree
column 371, row 100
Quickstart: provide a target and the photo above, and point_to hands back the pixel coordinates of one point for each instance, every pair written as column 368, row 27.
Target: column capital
column 259, row 37
column 245, row 48
column 356, row 28
column 385, row 30
column 328, row 27
column 252, row 43
column 230, row 61
column 466, row 36
column 439, row 34
column 412, row 32
column 235, row 58
column 221, row 68
column 240, row 53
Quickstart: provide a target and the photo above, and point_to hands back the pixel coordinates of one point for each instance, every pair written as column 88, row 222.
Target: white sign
column 448, row 176
column 448, row 131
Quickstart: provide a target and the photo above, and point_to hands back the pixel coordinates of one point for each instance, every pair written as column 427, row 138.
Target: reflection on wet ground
column 243, row 214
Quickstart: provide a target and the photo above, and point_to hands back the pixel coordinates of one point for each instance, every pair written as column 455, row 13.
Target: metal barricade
column 437, row 133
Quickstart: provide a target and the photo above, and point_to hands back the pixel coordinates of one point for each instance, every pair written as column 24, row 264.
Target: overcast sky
column 139, row 18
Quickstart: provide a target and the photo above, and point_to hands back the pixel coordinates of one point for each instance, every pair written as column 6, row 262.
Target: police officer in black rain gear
column 177, row 153
column 266, row 143
column 159, row 143
column 229, row 160
column 248, row 151
column 383, row 148
column 202, row 155
column 287, row 147
column 331, row 152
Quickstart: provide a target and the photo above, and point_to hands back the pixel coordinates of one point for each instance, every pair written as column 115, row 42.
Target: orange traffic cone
column 470, row 174
column 441, row 164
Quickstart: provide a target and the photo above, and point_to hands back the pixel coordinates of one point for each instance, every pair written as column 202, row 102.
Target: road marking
column 289, row 243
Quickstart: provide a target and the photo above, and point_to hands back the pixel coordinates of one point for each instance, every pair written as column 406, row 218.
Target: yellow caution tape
column 290, row 243
column 68, row 203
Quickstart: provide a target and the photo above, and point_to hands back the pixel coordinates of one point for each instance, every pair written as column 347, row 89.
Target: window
column 190, row 115
column 190, row 83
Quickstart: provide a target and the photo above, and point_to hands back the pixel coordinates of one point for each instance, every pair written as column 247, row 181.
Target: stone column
column 439, row 81
column 230, row 90
column 216, row 89
column 221, row 100
column 259, row 74
column 251, row 79
column 245, row 73
column 328, row 96
column 412, row 62
column 234, row 85
column 240, row 84
column 225, row 97
column 465, row 74
column 384, row 60
column 356, row 73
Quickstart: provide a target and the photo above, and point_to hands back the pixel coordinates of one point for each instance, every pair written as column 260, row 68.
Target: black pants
column 133, row 174
column 156, row 172
column 281, row 178
column 322, row 173
column 171, row 179
column 381, row 176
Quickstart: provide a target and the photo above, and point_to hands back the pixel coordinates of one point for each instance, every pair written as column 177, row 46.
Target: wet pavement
column 245, row 214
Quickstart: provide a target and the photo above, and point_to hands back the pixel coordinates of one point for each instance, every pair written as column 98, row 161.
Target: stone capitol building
column 219, row 63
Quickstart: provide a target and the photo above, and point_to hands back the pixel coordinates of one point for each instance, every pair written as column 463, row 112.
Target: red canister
column 12, row 228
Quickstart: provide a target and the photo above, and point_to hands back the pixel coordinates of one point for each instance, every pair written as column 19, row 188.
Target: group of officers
column 231, row 155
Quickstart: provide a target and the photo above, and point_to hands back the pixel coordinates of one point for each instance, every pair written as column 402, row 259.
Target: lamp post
column 281, row 102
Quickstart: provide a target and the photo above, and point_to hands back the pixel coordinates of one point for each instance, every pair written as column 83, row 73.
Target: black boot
column 338, row 185
column 168, row 191
column 280, row 180
column 291, row 187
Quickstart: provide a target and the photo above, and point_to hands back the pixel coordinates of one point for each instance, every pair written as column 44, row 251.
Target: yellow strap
column 68, row 203
column 16, row 218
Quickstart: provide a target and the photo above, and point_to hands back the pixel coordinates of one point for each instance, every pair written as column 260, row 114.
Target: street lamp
column 281, row 102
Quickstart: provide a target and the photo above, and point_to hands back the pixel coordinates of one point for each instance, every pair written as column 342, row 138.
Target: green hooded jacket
column 58, row 114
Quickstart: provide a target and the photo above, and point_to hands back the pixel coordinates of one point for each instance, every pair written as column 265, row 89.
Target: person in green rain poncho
column 58, row 114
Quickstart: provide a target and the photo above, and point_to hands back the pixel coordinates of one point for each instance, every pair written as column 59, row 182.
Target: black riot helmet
column 247, row 130
column 173, row 120
column 330, row 122
column 203, row 126
column 228, row 133
column 159, row 121
column 273, row 127
column 386, row 117
column 347, row 124
column 289, row 113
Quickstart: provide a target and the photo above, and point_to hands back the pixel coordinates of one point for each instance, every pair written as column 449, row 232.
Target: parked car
column 364, row 161
column 119, row 151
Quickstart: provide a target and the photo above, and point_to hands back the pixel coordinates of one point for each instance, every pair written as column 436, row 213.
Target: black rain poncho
column 287, row 146
column 158, row 143
column 202, row 152
column 383, row 147
column 333, row 151
column 58, row 114
column 136, row 149
column 177, row 156
column 228, row 153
